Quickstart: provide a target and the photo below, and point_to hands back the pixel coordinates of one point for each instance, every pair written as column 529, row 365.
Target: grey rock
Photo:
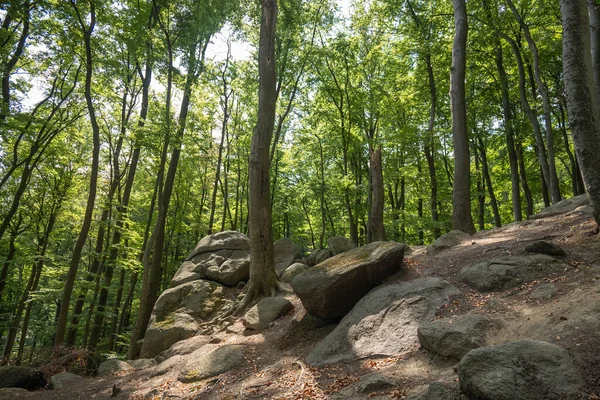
column 438, row 391
column 454, row 337
column 111, row 366
column 160, row 335
column 188, row 271
column 509, row 272
column 367, row 384
column 316, row 257
column 199, row 299
column 544, row 292
column 59, row 380
column 13, row 393
column 142, row 363
column 266, row 311
column 211, row 360
column 544, row 247
column 292, row 271
column 332, row 288
column 232, row 271
column 285, row 251
column 522, row 370
column 228, row 240
column 171, row 363
column 340, row 244
column 563, row 206
column 384, row 322
column 12, row 376
column 447, row 241
column 183, row 347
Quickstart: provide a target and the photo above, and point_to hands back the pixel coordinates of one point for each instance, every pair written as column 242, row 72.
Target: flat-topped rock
column 545, row 247
column 563, row 206
column 384, row 322
column 227, row 240
column 522, row 370
column 447, row 241
column 454, row 337
column 333, row 287
column 183, row 347
column 508, row 272
column 211, row 360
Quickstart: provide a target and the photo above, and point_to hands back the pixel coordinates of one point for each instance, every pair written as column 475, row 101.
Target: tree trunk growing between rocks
column 583, row 108
column 263, row 280
column 376, row 226
column 461, row 195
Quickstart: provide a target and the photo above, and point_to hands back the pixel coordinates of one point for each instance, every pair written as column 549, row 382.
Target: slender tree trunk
column 523, row 176
column 488, row 182
column 461, row 195
column 510, row 141
column 263, row 280
column 87, row 221
column 594, row 13
column 582, row 102
column 480, row 187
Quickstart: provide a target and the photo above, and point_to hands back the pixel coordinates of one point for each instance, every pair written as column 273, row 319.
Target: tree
column 583, row 104
column 461, row 197
column 263, row 280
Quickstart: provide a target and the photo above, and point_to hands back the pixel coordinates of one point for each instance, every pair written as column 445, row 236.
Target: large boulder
column 58, row 381
column 384, row 322
column 523, row 370
column 292, row 271
column 183, row 347
column 266, row 311
column 285, row 251
column 563, row 207
column 317, row 256
column 438, row 391
column 333, row 287
column 231, row 271
column 177, row 312
column 12, row 376
column 509, row 272
column 211, row 360
column 113, row 365
column 340, row 244
column 545, row 247
column 454, row 337
column 447, row 241
column 228, row 240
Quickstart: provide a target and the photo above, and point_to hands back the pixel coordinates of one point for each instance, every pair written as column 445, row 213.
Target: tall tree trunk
column 263, row 280
column 87, row 220
column 594, row 13
column 583, row 107
column 541, row 86
column 461, row 195
column 376, row 226
column 488, row 182
column 510, row 137
column 429, row 150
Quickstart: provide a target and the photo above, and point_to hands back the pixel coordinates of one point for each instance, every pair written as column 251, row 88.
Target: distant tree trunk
column 480, row 187
column 429, row 150
column 376, row 226
column 87, row 220
column 594, row 12
column 510, row 141
column 576, row 180
column 461, row 195
column 488, row 182
column 263, row 280
column 541, row 86
column 582, row 102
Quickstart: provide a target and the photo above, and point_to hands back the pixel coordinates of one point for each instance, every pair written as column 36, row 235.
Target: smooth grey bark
column 583, row 107
column 376, row 226
column 263, row 280
column 87, row 220
column 461, row 195
column 594, row 13
column 510, row 137
column 542, row 89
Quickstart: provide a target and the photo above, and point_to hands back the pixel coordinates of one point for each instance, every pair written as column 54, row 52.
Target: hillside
column 561, row 307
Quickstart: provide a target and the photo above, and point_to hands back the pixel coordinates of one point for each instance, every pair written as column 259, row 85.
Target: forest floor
column 275, row 367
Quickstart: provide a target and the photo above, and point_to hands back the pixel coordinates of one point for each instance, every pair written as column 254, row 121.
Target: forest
column 126, row 130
